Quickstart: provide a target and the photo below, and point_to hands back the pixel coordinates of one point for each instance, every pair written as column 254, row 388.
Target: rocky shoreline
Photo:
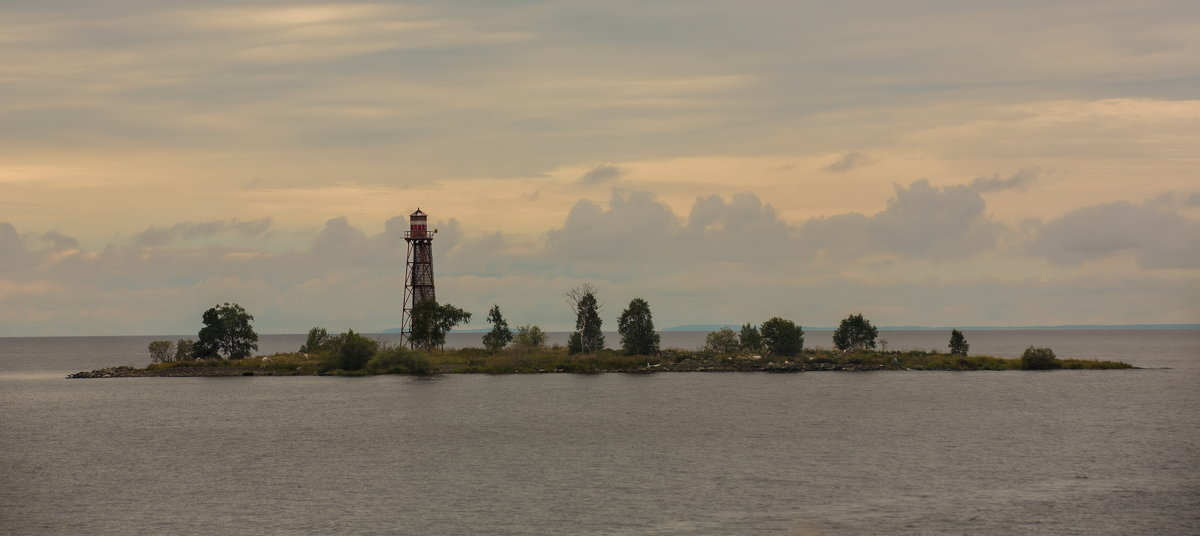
column 685, row 366
column 476, row 362
column 174, row 372
column 756, row 366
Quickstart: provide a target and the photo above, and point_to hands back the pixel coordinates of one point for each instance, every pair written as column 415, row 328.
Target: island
column 400, row 360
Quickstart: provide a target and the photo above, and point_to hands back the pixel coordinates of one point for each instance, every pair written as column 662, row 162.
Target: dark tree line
column 228, row 333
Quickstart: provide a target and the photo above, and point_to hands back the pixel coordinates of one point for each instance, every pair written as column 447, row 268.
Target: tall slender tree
column 636, row 326
column 500, row 335
column 958, row 343
column 587, row 337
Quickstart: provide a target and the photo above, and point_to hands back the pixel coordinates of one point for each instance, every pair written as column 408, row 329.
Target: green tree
column 721, row 341
column 183, row 349
column 855, row 333
column 750, row 339
column 500, row 335
column 431, row 322
column 782, row 337
column 636, row 326
column 530, row 337
column 160, row 351
column 587, row 337
column 1039, row 359
column 958, row 343
column 318, row 340
column 226, row 331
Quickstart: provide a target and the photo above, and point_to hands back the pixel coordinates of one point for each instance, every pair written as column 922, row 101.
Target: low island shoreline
column 545, row 361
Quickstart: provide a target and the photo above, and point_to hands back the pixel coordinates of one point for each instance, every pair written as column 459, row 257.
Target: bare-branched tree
column 587, row 337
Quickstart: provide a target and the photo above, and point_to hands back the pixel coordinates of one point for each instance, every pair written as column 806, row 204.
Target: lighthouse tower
column 418, row 269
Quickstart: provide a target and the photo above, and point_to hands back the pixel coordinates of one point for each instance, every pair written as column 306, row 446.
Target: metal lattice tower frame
column 418, row 271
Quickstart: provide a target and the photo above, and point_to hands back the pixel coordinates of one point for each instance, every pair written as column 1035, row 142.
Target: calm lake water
column 1058, row 452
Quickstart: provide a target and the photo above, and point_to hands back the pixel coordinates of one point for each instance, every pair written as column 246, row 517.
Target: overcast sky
column 932, row 162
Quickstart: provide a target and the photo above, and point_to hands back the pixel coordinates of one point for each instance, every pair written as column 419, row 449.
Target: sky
column 934, row 162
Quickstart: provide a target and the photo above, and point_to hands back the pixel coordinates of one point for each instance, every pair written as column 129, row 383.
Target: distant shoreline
column 715, row 327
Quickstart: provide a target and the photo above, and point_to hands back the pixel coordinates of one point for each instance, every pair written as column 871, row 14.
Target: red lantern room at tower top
column 417, row 225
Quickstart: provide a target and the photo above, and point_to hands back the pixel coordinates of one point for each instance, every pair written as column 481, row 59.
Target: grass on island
column 397, row 360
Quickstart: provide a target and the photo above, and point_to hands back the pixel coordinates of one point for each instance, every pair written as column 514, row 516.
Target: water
column 1062, row 452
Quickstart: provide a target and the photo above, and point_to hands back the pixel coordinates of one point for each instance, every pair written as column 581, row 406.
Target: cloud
column 920, row 222
column 601, row 173
column 1158, row 238
column 849, row 161
column 1018, row 181
column 940, row 223
column 1175, row 200
column 635, row 225
column 338, row 239
column 24, row 251
column 12, row 248
column 929, row 256
column 59, row 241
column 160, row 236
column 743, row 229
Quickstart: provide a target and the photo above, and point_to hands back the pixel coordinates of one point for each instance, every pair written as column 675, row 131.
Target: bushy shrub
column 530, row 337
column 782, row 337
column 160, row 351
column 318, row 341
column 1039, row 359
column 855, row 333
column 183, row 349
column 722, row 341
column 399, row 360
column 349, row 351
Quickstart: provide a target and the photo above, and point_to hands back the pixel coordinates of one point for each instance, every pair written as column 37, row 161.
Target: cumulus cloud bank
column 727, row 259
column 1158, row 238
